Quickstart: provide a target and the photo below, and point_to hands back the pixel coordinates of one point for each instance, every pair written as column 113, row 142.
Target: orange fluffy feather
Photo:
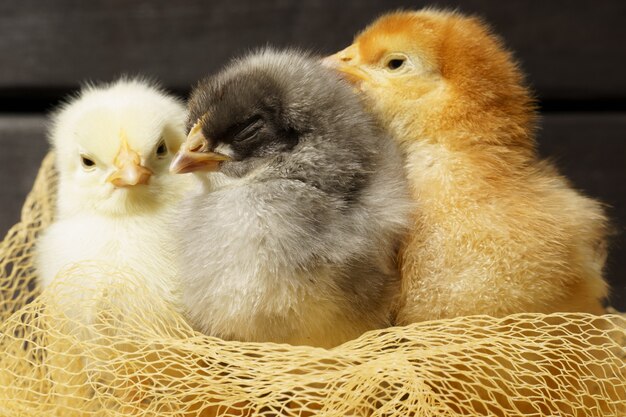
column 498, row 230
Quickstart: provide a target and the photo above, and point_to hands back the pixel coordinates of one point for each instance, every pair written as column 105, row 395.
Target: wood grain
column 571, row 49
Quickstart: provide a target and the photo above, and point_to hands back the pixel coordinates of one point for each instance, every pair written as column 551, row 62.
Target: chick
column 498, row 231
column 297, row 244
column 113, row 145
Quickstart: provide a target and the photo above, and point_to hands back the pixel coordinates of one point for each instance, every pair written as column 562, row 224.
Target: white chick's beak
column 194, row 154
column 347, row 63
column 129, row 169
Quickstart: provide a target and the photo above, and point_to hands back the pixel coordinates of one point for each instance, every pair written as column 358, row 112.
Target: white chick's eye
column 396, row 62
column 87, row 163
column 161, row 149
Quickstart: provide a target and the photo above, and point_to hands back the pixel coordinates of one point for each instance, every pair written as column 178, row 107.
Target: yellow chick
column 498, row 230
column 113, row 145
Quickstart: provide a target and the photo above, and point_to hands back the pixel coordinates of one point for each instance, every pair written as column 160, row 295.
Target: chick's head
column 256, row 108
column 113, row 145
column 430, row 72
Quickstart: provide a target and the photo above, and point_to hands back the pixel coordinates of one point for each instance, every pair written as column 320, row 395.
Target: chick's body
column 298, row 243
column 113, row 145
column 498, row 230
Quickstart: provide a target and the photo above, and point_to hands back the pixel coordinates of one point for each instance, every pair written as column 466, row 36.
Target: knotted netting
column 137, row 356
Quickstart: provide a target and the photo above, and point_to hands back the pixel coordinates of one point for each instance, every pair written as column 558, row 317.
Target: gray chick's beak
column 194, row 154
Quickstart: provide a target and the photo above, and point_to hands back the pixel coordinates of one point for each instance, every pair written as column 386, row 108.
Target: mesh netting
column 137, row 356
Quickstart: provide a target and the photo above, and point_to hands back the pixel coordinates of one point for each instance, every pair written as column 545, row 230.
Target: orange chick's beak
column 194, row 155
column 129, row 169
column 347, row 63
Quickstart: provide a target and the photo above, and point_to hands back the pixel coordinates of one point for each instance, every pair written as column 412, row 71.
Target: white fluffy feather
column 126, row 227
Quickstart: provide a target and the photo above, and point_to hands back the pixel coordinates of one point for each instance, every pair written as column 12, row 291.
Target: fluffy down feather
column 113, row 146
column 498, row 231
column 298, row 243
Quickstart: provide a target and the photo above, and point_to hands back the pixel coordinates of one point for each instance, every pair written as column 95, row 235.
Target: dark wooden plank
column 571, row 49
column 589, row 148
column 23, row 145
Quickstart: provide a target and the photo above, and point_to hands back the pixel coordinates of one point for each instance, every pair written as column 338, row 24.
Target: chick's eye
column 395, row 64
column 87, row 162
column 249, row 128
column 161, row 150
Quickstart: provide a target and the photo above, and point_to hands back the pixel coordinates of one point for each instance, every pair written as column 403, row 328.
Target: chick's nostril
column 346, row 59
column 196, row 147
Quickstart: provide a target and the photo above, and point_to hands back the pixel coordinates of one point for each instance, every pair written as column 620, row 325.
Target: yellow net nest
column 139, row 357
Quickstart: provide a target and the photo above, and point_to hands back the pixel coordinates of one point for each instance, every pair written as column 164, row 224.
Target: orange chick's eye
column 394, row 64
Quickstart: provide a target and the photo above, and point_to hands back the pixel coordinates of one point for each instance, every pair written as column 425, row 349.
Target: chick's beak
column 194, row 155
column 129, row 169
column 347, row 63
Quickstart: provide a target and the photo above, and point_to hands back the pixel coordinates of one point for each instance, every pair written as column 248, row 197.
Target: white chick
column 113, row 145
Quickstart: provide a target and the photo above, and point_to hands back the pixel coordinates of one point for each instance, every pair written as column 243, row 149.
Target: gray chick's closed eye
column 298, row 244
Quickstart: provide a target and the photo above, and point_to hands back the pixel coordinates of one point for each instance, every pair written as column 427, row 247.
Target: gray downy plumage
column 297, row 241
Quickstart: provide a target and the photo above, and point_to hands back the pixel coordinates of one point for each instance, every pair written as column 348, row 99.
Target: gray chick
column 296, row 243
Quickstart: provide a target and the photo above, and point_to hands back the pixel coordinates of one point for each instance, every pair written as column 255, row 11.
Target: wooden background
column 573, row 52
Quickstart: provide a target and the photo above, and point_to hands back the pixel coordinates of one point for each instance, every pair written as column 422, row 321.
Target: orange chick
column 497, row 230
